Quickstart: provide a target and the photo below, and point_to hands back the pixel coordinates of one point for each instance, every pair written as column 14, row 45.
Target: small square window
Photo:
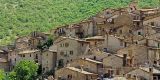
column 120, row 31
column 61, row 45
column 66, row 44
column 139, row 33
column 71, row 52
column 23, row 55
column 82, row 44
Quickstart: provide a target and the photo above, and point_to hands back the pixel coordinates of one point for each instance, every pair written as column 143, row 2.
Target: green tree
column 25, row 70
column 2, row 75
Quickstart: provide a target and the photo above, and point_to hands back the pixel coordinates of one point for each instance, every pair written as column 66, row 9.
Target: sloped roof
column 28, row 51
column 155, row 37
column 91, row 60
column 3, row 60
column 80, row 71
column 146, row 69
column 155, row 71
column 95, row 38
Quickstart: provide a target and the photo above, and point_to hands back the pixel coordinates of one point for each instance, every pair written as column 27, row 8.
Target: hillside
column 20, row 17
column 148, row 3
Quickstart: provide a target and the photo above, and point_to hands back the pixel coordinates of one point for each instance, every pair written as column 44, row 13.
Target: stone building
column 48, row 61
column 80, row 30
column 87, row 64
column 143, row 73
column 117, row 61
column 138, row 54
column 4, row 63
column 69, row 49
column 45, row 59
column 72, row 73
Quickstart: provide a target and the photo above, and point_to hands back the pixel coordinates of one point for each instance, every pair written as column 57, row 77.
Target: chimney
column 124, row 60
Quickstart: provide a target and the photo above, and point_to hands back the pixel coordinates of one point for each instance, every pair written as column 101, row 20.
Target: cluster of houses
column 116, row 44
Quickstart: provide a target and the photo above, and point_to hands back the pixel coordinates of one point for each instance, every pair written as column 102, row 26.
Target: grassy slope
column 20, row 17
column 148, row 3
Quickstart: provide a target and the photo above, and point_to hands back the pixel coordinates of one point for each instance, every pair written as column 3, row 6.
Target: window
column 15, row 59
column 67, row 62
column 139, row 33
column 152, row 24
column 60, row 63
column 61, row 53
column 158, row 45
column 61, row 45
column 95, row 43
column 82, row 44
column 136, row 42
column 155, row 78
column 120, row 31
column 66, row 44
column 47, row 54
column 130, row 31
column 43, row 69
column 30, row 55
column 71, row 52
column 121, row 43
column 36, row 56
column 69, row 76
column 138, row 23
column 23, row 55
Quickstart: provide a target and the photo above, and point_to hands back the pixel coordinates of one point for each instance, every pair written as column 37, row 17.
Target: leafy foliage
column 149, row 3
column 2, row 75
column 20, row 17
column 24, row 70
column 46, row 44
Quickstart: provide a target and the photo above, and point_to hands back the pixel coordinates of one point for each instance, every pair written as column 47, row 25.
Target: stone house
column 21, row 43
column 96, row 42
column 116, row 65
column 153, row 43
column 12, row 58
column 4, row 64
column 154, row 56
column 72, row 73
column 48, row 61
column 34, row 55
column 117, row 61
column 45, row 59
column 153, row 40
column 138, row 54
column 143, row 73
column 87, row 64
column 79, row 30
column 155, row 22
column 31, row 41
column 115, row 25
column 113, row 43
column 150, row 13
column 68, row 49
